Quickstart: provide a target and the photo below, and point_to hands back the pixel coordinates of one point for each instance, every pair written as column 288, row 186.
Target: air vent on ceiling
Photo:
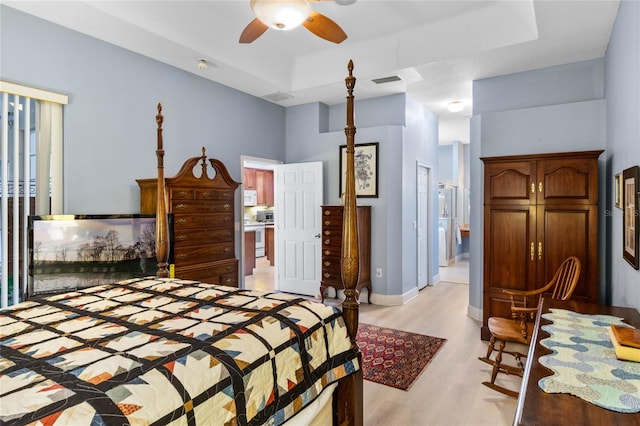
column 278, row 96
column 389, row 79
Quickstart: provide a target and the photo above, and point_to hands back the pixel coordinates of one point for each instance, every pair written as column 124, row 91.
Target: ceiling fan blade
column 324, row 28
column 252, row 31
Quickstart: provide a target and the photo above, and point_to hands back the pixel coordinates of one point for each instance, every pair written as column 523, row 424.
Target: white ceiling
column 437, row 47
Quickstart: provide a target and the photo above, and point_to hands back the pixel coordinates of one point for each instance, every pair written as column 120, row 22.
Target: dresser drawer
column 202, row 221
column 204, row 253
column 201, row 194
column 189, row 237
column 224, row 273
column 181, row 193
column 214, row 195
column 334, row 251
column 211, row 206
column 331, row 241
column 201, row 275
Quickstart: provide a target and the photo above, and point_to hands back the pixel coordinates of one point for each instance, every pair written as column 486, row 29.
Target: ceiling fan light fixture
column 281, row 14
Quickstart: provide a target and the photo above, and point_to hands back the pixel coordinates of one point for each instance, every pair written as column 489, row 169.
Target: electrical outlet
column 379, row 272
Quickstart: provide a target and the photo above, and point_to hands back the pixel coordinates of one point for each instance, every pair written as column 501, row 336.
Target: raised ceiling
column 437, row 48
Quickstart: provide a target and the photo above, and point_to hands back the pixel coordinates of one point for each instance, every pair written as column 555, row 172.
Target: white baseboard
column 393, row 300
column 474, row 313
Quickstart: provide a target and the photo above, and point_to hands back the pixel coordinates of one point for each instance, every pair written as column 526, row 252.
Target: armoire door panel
column 569, row 231
column 567, row 180
column 509, row 182
column 509, row 264
column 509, row 245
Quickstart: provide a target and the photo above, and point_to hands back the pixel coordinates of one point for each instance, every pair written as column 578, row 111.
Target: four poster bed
column 158, row 350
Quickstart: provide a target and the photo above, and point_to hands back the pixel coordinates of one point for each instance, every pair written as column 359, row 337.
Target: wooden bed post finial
column 162, row 224
column 350, row 255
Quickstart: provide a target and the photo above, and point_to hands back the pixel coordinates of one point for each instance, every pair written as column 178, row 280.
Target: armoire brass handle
column 533, row 251
column 540, row 187
column 539, row 250
column 533, row 188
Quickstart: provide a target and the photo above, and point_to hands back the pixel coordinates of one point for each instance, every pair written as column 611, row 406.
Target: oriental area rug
column 393, row 357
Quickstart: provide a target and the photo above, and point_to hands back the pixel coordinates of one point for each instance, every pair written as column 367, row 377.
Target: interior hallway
column 449, row 391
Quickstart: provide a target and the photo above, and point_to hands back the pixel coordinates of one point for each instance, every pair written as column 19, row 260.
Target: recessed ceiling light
column 202, row 65
column 455, row 106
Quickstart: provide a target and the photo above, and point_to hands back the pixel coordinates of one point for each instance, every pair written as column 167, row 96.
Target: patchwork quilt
column 160, row 351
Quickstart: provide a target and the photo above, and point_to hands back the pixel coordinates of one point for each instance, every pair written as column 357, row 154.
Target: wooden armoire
column 203, row 210
column 538, row 210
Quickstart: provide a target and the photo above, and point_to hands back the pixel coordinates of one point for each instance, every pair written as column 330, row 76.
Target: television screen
column 68, row 252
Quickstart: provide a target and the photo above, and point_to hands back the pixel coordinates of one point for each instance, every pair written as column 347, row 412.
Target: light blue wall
column 445, row 159
column 406, row 133
column 622, row 86
column 420, row 146
column 110, row 128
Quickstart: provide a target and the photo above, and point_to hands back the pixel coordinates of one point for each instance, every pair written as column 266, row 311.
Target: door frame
column 429, row 219
column 258, row 161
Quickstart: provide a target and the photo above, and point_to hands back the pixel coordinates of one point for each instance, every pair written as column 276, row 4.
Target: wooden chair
column 520, row 327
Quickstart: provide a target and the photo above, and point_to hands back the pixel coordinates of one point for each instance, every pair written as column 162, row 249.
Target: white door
column 423, row 225
column 298, row 197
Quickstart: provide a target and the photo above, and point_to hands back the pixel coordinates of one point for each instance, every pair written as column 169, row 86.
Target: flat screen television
column 68, row 252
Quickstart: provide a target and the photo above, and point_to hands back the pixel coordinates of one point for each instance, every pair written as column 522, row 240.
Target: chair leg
column 490, row 349
column 498, row 367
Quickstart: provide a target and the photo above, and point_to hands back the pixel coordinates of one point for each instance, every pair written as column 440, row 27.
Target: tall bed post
column 350, row 258
column 162, row 226
column 348, row 401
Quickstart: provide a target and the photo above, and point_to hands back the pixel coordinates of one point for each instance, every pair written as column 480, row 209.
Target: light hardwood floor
column 449, row 391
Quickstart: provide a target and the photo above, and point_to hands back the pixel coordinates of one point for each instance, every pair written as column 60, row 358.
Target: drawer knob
column 183, row 193
column 181, row 237
column 181, row 256
column 181, row 206
column 181, row 221
column 327, row 275
column 206, row 195
column 327, row 241
column 327, row 222
column 227, row 250
column 226, row 206
column 327, row 212
column 327, row 252
column 327, row 232
column 327, row 263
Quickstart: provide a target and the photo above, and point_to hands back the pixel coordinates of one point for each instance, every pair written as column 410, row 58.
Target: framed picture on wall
column 365, row 161
column 630, row 216
column 617, row 190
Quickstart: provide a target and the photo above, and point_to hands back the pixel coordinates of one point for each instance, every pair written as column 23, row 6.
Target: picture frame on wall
column 631, row 216
column 366, row 169
column 617, row 190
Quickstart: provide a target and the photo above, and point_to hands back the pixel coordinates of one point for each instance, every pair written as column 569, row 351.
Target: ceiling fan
column 289, row 14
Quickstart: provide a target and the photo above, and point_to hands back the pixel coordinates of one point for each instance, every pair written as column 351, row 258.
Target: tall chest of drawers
column 203, row 220
column 332, row 243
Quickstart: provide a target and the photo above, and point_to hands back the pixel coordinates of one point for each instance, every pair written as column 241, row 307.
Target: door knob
column 317, row 235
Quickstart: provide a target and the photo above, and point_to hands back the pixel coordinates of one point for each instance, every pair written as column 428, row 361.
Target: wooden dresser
column 331, row 244
column 538, row 210
column 203, row 220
